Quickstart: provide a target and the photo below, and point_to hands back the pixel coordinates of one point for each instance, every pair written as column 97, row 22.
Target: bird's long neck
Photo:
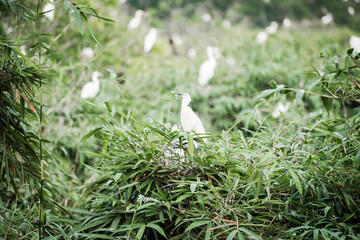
column 211, row 56
column 95, row 79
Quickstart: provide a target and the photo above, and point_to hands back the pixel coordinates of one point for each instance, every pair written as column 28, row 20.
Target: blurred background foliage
column 264, row 169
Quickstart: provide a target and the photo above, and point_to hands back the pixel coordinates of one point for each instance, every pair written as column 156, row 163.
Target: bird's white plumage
column 327, row 19
column 226, row 24
column 261, row 37
column 206, row 17
column 207, row 68
column 135, row 22
column 355, row 43
column 286, row 23
column 280, row 108
column 91, row 89
column 87, row 53
column 192, row 52
column 150, row 40
column 351, row 11
column 272, row 28
column 49, row 8
column 188, row 119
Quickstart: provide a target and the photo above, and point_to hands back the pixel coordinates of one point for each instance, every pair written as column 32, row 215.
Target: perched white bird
column 135, row 22
column 355, row 43
column 286, row 23
column 192, row 52
column 351, row 11
column 91, row 89
column 272, row 28
column 49, row 8
column 261, row 37
column 150, row 40
column 327, row 19
column 207, row 68
column 206, row 17
column 226, row 24
column 188, row 119
column 87, row 53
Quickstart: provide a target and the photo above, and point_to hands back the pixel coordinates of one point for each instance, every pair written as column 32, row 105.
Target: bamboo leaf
column 90, row 134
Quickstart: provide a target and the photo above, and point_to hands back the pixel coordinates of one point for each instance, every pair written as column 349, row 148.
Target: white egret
column 207, row 68
column 150, row 40
column 261, row 37
column 206, row 17
column 188, row 119
column 192, row 52
column 327, row 19
column 355, row 43
column 272, row 28
column 49, row 10
column 286, row 23
column 351, row 11
column 91, row 89
column 280, row 108
column 87, row 53
column 135, row 22
column 226, row 24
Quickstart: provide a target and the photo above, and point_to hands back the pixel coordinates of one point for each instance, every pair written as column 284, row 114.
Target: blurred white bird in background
column 327, row 18
column 280, row 108
column 206, row 17
column 261, row 37
column 272, row 28
column 286, row 23
column 192, row 53
column 87, row 53
column 226, row 24
column 150, row 40
column 177, row 39
column 49, row 8
column 355, row 43
column 135, row 22
column 188, row 119
column 91, row 89
column 207, row 68
column 351, row 11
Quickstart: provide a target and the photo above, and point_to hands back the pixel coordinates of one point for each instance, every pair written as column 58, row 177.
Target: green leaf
column 196, row 224
column 90, row 134
column 357, row 159
column 328, row 103
column 79, row 22
column 250, row 233
column 157, row 228
column 297, row 181
column 108, row 107
column 299, row 95
column 66, row 5
column 140, row 232
column 231, row 235
column 193, row 187
column 112, row 74
column 268, row 92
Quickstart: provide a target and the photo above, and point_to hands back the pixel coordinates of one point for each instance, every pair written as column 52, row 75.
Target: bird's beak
column 180, row 94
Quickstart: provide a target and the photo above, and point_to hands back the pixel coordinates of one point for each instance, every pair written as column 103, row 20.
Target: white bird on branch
column 135, row 22
column 150, row 40
column 207, row 68
column 190, row 122
column 91, row 89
